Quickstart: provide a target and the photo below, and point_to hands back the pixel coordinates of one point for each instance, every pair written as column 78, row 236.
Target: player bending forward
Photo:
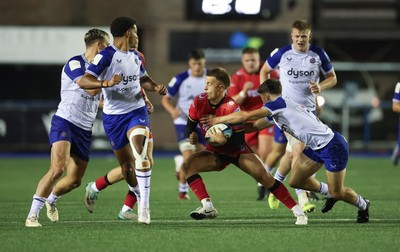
column 324, row 146
column 220, row 151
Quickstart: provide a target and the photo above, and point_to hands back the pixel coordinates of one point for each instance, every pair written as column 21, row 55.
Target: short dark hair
column 271, row 86
column 120, row 25
column 221, row 75
column 196, row 54
column 301, row 25
column 94, row 35
column 249, row 50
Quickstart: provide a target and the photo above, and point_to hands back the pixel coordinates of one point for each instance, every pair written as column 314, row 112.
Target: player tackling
column 220, row 151
column 324, row 146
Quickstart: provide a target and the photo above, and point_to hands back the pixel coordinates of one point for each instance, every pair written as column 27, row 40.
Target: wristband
column 242, row 94
column 101, row 84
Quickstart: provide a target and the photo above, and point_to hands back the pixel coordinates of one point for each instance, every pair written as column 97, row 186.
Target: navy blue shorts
column 117, row 126
column 279, row 135
column 335, row 155
column 63, row 130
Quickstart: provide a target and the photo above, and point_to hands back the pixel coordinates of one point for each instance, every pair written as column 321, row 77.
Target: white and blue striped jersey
column 298, row 69
column 299, row 122
column 126, row 95
column 185, row 87
column 77, row 106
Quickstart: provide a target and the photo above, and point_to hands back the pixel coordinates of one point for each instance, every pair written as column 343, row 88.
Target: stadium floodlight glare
column 247, row 7
column 216, row 7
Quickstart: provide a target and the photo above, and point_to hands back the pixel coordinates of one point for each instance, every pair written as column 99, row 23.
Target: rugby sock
column 178, row 162
column 94, row 187
column 135, row 190
column 183, row 187
column 52, row 198
column 207, row 203
column 130, row 200
column 198, row 187
column 278, row 176
column 323, row 189
column 102, row 183
column 361, row 204
column 282, row 194
column 144, row 179
column 37, row 205
column 269, row 169
column 302, row 196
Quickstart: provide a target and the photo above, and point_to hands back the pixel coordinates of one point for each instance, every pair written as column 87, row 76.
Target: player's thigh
column 60, row 154
column 303, row 168
column 251, row 164
column 265, row 145
column 125, row 157
column 202, row 161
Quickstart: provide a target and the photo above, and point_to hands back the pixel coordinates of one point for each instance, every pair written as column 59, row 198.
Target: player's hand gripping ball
column 212, row 138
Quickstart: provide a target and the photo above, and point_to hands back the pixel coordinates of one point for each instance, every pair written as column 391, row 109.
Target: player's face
column 197, row 67
column 251, row 62
column 214, row 89
column 301, row 39
column 133, row 37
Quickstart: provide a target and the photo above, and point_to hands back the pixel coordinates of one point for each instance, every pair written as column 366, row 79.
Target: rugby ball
column 225, row 128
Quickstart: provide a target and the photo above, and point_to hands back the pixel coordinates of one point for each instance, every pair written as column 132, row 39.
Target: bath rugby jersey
column 126, row 95
column 185, row 87
column 299, row 122
column 298, row 69
column 76, row 106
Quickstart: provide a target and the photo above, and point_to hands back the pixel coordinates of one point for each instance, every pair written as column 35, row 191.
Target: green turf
column 243, row 224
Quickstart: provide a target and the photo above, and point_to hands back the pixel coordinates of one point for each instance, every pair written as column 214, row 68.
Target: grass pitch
column 243, row 224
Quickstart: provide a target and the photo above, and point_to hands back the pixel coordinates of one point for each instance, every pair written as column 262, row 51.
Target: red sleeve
column 193, row 111
column 141, row 56
column 274, row 74
column 234, row 88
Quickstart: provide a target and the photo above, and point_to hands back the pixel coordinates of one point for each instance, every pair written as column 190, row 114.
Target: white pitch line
column 281, row 220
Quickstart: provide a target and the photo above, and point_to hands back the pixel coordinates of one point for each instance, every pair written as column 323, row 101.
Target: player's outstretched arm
column 88, row 81
column 236, row 117
column 149, row 84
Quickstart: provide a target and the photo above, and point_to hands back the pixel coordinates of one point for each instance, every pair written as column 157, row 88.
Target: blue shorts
column 117, row 126
column 335, row 155
column 279, row 135
column 63, row 130
column 180, row 130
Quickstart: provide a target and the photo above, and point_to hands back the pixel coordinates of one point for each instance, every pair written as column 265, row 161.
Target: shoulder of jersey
column 202, row 96
column 182, row 75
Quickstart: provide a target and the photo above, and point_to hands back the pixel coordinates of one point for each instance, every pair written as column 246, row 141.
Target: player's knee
column 56, row 173
column 295, row 183
column 140, row 151
column 184, row 167
column 185, row 145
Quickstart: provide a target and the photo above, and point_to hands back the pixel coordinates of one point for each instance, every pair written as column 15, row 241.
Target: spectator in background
column 184, row 87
